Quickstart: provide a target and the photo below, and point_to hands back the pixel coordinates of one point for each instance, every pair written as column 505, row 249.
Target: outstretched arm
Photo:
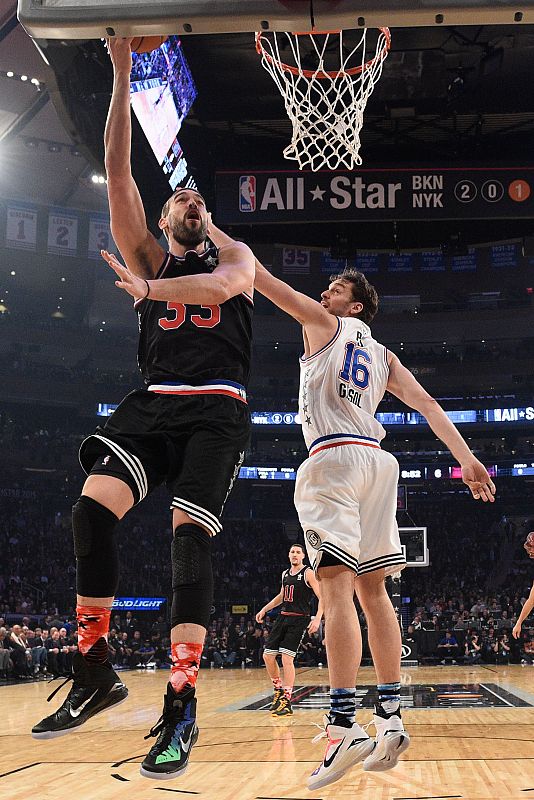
column 298, row 305
column 403, row 385
column 137, row 245
column 233, row 275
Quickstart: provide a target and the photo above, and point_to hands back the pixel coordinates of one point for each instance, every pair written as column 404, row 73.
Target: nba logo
column 247, row 193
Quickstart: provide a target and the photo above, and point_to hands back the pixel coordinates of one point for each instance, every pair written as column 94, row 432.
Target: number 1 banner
column 21, row 227
column 99, row 236
column 62, row 232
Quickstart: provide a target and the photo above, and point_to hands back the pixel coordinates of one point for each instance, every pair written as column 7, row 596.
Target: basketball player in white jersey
column 346, row 497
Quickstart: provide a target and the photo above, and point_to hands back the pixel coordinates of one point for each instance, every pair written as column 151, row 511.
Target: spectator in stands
column 448, row 648
column 20, row 653
column 5, row 661
column 222, row 655
column 116, row 650
column 36, row 643
column 472, row 648
column 501, row 649
column 134, row 645
column 145, row 653
column 252, row 645
column 55, row 656
column 527, row 651
column 488, row 646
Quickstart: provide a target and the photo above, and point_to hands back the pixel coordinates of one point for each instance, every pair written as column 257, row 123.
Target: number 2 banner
column 62, row 232
column 99, row 236
column 21, row 227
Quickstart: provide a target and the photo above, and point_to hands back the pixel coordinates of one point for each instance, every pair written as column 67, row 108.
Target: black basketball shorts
column 286, row 635
column 194, row 445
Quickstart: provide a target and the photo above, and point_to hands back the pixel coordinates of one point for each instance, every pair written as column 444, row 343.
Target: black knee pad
column 95, row 548
column 192, row 576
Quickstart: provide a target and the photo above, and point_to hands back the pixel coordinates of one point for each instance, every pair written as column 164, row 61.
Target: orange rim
column 310, row 73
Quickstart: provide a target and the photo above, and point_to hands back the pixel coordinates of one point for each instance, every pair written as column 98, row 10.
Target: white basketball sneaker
column 391, row 740
column 347, row 745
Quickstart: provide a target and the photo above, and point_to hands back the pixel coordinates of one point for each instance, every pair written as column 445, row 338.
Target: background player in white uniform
column 346, row 500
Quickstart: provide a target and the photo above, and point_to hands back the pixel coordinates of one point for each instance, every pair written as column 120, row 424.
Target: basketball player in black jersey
column 529, row 602
column 187, row 428
column 298, row 585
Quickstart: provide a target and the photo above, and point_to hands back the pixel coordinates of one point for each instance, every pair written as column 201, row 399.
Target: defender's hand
column 475, row 475
column 136, row 287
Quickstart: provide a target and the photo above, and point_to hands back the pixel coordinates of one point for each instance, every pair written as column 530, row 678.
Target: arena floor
column 472, row 737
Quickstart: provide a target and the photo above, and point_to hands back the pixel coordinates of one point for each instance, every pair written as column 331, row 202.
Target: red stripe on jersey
column 342, row 444
column 202, row 391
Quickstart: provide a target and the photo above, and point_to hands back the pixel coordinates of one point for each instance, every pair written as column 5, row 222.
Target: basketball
column 145, row 44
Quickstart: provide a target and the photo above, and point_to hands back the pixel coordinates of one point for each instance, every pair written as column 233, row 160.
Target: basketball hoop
column 325, row 89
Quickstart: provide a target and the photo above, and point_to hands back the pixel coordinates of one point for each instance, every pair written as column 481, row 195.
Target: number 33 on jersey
column 193, row 344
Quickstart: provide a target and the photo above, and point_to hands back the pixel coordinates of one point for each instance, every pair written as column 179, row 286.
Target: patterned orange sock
column 93, row 627
column 277, row 682
column 288, row 691
column 185, row 658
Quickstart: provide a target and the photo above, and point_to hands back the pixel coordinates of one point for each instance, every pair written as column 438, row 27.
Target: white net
column 325, row 84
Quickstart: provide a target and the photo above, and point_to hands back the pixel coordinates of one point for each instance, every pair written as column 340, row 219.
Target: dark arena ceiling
column 447, row 95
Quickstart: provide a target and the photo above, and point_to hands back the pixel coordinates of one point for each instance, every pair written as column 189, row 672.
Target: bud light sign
column 247, row 193
column 138, row 603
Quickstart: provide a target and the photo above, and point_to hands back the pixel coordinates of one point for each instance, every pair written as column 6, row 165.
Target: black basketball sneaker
column 177, row 732
column 95, row 687
column 283, row 709
column 277, row 696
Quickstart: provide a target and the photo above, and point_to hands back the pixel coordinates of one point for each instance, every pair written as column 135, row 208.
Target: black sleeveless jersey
column 194, row 344
column 297, row 594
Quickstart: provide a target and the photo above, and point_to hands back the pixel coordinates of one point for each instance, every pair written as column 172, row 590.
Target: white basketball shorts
column 346, row 499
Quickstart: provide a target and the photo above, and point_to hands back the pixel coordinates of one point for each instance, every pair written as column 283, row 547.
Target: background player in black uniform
column 529, row 602
column 298, row 585
column 188, row 428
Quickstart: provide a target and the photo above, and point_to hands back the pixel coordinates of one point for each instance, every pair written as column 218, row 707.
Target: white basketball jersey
column 341, row 386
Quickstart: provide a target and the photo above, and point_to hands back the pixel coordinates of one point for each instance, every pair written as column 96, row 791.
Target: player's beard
column 189, row 236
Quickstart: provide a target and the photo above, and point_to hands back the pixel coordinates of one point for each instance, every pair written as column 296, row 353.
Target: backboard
column 414, row 545
column 94, row 19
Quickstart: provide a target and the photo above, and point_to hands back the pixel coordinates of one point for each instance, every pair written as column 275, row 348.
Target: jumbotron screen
column 162, row 92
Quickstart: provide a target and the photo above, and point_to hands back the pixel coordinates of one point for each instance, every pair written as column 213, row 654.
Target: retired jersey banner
column 62, row 232
column 99, row 236
column 21, row 226
column 375, row 194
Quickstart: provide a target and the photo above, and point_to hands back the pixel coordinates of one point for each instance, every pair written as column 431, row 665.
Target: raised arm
column 299, row 306
column 137, row 245
column 403, row 385
column 525, row 611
